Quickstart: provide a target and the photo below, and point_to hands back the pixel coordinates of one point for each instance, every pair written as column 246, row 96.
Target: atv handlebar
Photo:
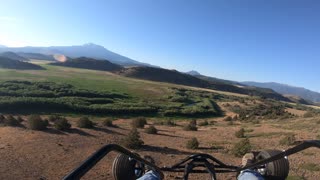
column 212, row 164
column 102, row 152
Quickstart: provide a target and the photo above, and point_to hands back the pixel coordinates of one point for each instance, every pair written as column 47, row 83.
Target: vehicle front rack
column 188, row 165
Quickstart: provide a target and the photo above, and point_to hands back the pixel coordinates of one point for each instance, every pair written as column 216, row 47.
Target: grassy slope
column 88, row 79
column 97, row 80
column 141, row 90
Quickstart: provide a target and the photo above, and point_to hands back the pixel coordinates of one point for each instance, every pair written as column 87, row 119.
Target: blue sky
column 257, row 40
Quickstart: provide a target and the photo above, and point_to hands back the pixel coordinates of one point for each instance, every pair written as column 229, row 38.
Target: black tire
column 123, row 168
column 276, row 170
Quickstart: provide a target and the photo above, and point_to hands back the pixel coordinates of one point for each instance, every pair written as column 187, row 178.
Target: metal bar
column 102, row 152
column 211, row 170
column 187, row 170
column 203, row 156
column 98, row 155
column 198, row 171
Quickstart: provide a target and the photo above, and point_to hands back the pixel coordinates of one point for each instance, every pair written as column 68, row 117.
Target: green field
column 167, row 99
column 140, row 97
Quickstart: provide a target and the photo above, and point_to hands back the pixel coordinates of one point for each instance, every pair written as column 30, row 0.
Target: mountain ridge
column 8, row 63
column 193, row 73
column 87, row 50
column 287, row 89
column 14, row 56
column 89, row 63
column 176, row 77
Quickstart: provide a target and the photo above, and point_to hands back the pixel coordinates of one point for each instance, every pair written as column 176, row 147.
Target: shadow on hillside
column 80, row 132
column 160, row 134
column 105, row 130
column 122, row 128
column 213, row 149
column 164, row 150
column 54, row 131
column 22, row 126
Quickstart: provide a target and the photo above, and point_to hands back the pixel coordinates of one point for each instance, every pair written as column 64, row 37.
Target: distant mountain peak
column 92, row 45
column 88, row 50
column 193, row 73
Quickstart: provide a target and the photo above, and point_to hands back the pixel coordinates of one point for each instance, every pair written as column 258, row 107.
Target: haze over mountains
column 87, row 50
column 98, row 52
column 89, row 63
column 277, row 87
column 287, row 89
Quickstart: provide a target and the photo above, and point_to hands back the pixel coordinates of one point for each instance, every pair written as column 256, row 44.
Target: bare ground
column 27, row 154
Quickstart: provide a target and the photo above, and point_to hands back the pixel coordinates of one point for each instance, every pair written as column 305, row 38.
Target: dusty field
column 27, row 154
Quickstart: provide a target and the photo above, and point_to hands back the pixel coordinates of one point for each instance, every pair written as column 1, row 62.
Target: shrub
column 288, row 140
column 62, row 124
column 1, row 119
column 20, row 119
column 240, row 133
column 36, row 123
column 308, row 114
column 204, row 123
column 169, row 122
column 107, row 122
column 228, row 118
column 53, row 118
column 192, row 143
column 241, row 148
column 193, row 122
column 151, row 130
column 235, row 118
column 132, row 140
column 256, row 121
column 46, row 122
column 11, row 121
column 143, row 119
column 139, row 122
column 85, row 122
column 190, row 127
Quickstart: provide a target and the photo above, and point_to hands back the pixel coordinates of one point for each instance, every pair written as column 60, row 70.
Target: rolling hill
column 14, row 56
column 89, row 63
column 288, row 90
column 7, row 63
column 36, row 56
column 163, row 75
column 175, row 77
column 86, row 50
column 213, row 79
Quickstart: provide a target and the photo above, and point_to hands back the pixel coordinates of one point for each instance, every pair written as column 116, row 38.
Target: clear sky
column 256, row 40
